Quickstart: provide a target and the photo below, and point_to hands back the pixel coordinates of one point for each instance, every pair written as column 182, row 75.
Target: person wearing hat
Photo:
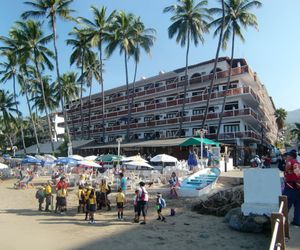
column 292, row 185
column 142, row 202
column 48, row 195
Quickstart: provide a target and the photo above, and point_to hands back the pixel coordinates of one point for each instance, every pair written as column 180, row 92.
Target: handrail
column 280, row 225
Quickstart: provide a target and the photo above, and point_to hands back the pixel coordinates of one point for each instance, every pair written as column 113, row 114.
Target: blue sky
column 273, row 52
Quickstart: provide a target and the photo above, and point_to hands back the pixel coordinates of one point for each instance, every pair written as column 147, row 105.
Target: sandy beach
column 24, row 227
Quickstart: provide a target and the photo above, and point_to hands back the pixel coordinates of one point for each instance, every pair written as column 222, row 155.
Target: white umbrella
column 40, row 157
column 90, row 158
column 76, row 157
column 50, row 157
column 3, row 166
column 138, row 164
column 136, row 158
column 163, row 158
column 89, row 164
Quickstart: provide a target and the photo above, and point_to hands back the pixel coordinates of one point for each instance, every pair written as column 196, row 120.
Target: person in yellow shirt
column 48, row 195
column 92, row 205
column 81, row 199
column 120, row 199
column 104, row 191
column 86, row 200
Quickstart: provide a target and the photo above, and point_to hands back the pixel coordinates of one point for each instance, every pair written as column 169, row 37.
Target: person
column 87, row 193
column 160, row 204
column 48, row 195
column 61, row 197
column 255, row 162
column 292, row 185
column 267, row 161
column 81, row 199
column 123, row 183
column 120, row 200
column 174, row 184
column 104, row 191
column 135, row 200
column 92, row 206
column 142, row 202
column 192, row 160
column 40, row 196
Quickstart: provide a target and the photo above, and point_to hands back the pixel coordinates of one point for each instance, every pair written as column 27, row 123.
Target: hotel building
column 248, row 121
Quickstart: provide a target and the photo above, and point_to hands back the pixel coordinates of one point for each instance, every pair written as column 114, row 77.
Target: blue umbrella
column 30, row 160
column 65, row 161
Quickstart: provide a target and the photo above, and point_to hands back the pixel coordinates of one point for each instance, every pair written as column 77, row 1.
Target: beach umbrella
column 50, row 157
column 90, row 158
column 163, row 158
column 89, row 164
column 40, row 157
column 194, row 141
column 31, row 160
column 138, row 164
column 65, row 161
column 135, row 158
column 108, row 158
column 3, row 166
column 76, row 157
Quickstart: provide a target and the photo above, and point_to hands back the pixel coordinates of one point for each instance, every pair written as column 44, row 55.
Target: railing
column 280, row 225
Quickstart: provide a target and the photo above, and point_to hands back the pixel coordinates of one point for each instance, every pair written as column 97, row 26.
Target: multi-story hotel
column 248, row 120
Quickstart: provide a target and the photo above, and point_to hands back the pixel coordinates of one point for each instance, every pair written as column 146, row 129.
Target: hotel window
column 148, row 118
column 232, row 105
column 198, row 111
column 171, row 115
column 148, row 86
column 171, row 80
column 171, row 133
column 158, row 84
column 231, row 128
column 171, row 98
column 182, row 78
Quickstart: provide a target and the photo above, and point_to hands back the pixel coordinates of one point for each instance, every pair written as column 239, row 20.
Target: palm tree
column 123, row 38
column 52, row 9
column 31, row 41
column 92, row 70
column 189, row 24
column 70, row 91
column 10, row 72
column 81, row 54
column 143, row 39
column 280, row 115
column 237, row 16
column 98, row 33
column 212, row 82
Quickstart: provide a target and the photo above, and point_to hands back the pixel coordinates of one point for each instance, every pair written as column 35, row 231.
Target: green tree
column 123, row 39
column 296, row 132
column 98, row 32
column 9, row 72
column 80, row 55
column 31, row 41
column 189, row 24
column 280, row 115
column 237, row 16
column 143, row 39
column 52, row 9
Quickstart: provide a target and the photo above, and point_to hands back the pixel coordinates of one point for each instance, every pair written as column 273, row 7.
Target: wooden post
column 280, row 238
column 285, row 213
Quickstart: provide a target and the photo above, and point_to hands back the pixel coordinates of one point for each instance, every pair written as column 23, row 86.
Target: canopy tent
column 194, row 141
column 163, row 158
column 108, row 158
column 89, row 164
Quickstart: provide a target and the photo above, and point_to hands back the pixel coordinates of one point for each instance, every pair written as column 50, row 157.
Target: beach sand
column 23, row 227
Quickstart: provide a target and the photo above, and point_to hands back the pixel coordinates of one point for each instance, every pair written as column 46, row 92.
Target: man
column 292, row 185
column 123, row 183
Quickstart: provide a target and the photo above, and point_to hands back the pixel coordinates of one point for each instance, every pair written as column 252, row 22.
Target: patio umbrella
column 90, row 158
column 65, row 161
column 30, row 160
column 50, row 157
column 89, row 164
column 138, row 164
column 108, row 158
column 163, row 158
column 76, row 157
column 136, row 158
column 193, row 141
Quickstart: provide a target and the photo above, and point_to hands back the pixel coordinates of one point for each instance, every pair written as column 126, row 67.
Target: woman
column 142, row 202
column 174, row 184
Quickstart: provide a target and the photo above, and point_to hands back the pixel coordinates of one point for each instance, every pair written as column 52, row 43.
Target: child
column 81, row 203
column 120, row 199
column 160, row 204
column 86, row 201
column 92, row 206
column 40, row 195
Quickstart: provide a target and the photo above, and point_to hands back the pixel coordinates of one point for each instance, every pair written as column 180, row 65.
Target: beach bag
column 163, row 203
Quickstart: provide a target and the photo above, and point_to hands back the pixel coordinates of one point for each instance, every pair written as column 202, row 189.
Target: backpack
column 163, row 203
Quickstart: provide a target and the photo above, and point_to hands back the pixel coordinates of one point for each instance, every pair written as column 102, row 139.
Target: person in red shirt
column 61, row 199
column 292, row 185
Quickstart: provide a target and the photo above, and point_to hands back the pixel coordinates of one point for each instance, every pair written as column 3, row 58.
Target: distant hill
column 293, row 116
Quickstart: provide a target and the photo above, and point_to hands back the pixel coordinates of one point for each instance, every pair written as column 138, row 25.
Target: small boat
column 199, row 183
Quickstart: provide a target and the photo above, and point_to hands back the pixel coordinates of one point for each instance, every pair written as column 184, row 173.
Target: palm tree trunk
column 59, row 80
column 215, row 66
column 32, row 120
column 19, row 118
column 128, row 102
column 185, row 85
column 90, row 99
column 102, row 92
column 45, row 103
column 73, row 124
column 227, row 86
column 81, row 90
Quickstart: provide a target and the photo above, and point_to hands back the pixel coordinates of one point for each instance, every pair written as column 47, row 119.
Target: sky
column 273, row 51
